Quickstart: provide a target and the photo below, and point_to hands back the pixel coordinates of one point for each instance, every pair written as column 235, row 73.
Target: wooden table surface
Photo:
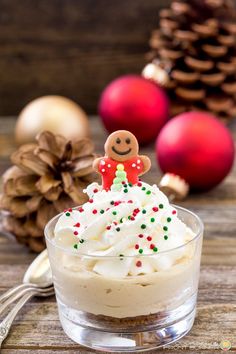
column 37, row 328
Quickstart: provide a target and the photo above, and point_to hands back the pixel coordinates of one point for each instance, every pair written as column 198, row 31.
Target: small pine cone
column 46, row 178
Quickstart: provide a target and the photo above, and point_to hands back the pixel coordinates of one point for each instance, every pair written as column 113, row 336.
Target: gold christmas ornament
column 56, row 114
column 47, row 177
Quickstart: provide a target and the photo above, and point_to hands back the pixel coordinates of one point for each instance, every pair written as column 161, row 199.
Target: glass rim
column 92, row 256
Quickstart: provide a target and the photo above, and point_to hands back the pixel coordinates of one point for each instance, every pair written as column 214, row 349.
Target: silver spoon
column 37, row 281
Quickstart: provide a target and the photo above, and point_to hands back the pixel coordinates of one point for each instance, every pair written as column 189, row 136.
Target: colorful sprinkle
column 168, row 219
column 77, row 224
column 125, row 190
column 101, row 211
column 165, row 228
column 95, row 211
column 161, row 206
column 174, row 212
column 140, row 250
column 155, row 209
column 144, row 211
column 114, row 212
column 118, row 229
column 140, row 235
column 143, row 188
column 108, row 227
column 149, row 238
column 81, row 210
column 152, row 246
column 143, row 226
column 136, row 246
column 165, row 237
column 132, row 218
column 90, row 200
column 130, row 184
column 67, row 214
column 112, row 202
column 75, row 246
column 130, row 201
column 152, row 219
column 81, row 241
column 138, row 264
column 70, row 210
column 148, row 192
column 76, row 233
column 121, row 255
column 155, row 249
column 95, row 190
column 139, row 184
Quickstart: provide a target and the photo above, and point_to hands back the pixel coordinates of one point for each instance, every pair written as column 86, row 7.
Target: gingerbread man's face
column 121, row 145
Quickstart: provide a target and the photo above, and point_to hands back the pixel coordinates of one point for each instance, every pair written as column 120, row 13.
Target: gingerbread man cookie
column 121, row 162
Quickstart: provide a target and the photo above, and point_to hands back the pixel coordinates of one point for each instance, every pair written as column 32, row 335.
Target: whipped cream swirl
column 125, row 231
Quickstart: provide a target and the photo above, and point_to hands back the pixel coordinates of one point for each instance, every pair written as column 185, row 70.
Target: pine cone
column 194, row 56
column 47, row 177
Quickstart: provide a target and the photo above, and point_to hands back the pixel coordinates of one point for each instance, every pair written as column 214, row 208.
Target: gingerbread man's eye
column 118, row 141
column 127, row 141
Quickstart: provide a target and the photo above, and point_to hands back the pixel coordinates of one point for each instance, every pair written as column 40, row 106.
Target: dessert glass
column 127, row 314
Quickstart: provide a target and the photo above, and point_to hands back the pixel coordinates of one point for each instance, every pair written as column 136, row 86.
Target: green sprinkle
column 143, row 188
column 152, row 219
column 114, row 212
column 161, row 206
column 118, row 229
column 121, row 220
column 155, row 249
column 81, row 241
column 140, row 250
column 168, row 219
column 76, row 246
column 144, row 211
column 125, row 185
column 101, row 211
column 67, row 214
column 165, row 237
column 130, row 184
column 125, row 190
column 165, row 228
column 148, row 192
column 121, row 255
column 129, row 217
column 143, row 226
column 112, row 202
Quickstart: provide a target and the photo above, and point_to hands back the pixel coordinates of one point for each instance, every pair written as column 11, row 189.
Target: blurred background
column 69, row 47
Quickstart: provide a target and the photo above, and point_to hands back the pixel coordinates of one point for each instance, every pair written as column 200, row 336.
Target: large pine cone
column 194, row 56
column 47, row 177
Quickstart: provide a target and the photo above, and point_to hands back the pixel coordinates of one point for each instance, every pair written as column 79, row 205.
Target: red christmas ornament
column 136, row 104
column 196, row 147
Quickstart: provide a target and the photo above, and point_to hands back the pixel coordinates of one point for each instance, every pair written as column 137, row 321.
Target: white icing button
column 103, row 170
column 138, row 161
column 109, row 165
column 133, row 164
column 103, row 162
column 138, row 167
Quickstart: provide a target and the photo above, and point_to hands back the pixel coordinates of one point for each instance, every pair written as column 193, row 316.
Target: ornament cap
column 174, row 186
column 153, row 71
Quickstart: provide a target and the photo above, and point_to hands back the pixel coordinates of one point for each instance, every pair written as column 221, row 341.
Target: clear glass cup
column 131, row 314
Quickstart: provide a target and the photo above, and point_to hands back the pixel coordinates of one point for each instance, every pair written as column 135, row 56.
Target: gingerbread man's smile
column 121, row 152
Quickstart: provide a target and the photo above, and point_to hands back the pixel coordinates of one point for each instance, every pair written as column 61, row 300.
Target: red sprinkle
column 77, row 224
column 136, row 210
column 138, row 264
column 132, row 218
column 75, row 233
column 117, row 203
column 95, row 190
column 115, row 222
column 95, row 211
column 107, row 209
column 123, row 182
column 108, row 227
column 81, row 210
column 90, row 200
column 149, row 238
column 155, row 209
column 174, row 212
column 140, row 235
column 136, row 246
column 139, row 184
column 70, row 210
column 130, row 201
column 152, row 246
